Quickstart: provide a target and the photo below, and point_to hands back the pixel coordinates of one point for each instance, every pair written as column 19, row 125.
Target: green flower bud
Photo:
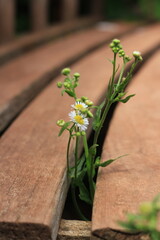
column 84, row 98
column 89, row 114
column 60, row 123
column 89, row 103
column 78, row 134
column 146, row 208
column 78, row 99
column 116, row 41
column 66, row 71
column 67, row 85
column 83, row 133
column 59, row 84
column 84, row 111
column 127, row 58
column 111, row 45
column 136, row 54
column 76, row 75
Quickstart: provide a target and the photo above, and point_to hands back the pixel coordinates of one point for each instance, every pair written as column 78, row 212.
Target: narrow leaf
column 108, row 162
column 63, row 128
column 126, row 99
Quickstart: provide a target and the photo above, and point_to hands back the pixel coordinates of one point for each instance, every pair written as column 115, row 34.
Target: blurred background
column 25, row 16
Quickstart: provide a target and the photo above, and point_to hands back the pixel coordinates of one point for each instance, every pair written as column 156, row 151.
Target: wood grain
column 22, row 79
column 33, row 160
column 134, row 130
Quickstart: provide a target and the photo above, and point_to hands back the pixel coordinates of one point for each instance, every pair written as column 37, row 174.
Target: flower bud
column 67, row 85
column 76, row 75
column 60, row 123
column 146, row 208
column 89, row 103
column 136, row 54
column 66, row 71
column 83, row 133
column 84, row 111
column 78, row 99
column 116, row 41
column 59, row 84
column 78, row 134
column 84, row 98
column 89, row 114
column 111, row 45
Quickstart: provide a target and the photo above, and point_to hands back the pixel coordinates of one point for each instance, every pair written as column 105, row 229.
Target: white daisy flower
column 80, row 121
column 80, row 106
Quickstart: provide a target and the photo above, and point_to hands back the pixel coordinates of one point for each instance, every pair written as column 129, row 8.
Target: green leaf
column 63, row 128
column 84, row 193
column 70, row 93
column 126, row 99
column 97, row 117
column 92, row 149
column 108, row 162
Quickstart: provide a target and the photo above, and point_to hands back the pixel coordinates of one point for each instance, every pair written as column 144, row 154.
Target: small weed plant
column 146, row 220
column 83, row 173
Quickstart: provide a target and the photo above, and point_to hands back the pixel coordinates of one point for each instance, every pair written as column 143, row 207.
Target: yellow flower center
column 79, row 106
column 79, row 119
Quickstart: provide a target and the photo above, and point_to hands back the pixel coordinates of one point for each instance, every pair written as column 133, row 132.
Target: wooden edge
column 110, row 234
column 12, row 109
column 75, row 230
column 31, row 41
column 24, row 231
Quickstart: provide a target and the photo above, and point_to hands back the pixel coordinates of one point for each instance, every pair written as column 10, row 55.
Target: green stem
column 68, row 148
column 89, row 163
column 76, row 155
column 101, row 122
column 80, row 214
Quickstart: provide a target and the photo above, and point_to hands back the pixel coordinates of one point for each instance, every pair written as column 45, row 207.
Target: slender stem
column 101, row 122
column 121, row 73
column 80, row 214
column 76, row 155
column 89, row 163
column 68, row 148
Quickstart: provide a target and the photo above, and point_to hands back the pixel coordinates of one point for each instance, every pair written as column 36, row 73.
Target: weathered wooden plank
column 26, row 76
column 27, row 42
column 33, row 181
column 134, row 130
column 69, row 10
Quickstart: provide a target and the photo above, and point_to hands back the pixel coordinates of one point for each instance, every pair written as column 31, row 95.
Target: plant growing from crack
column 87, row 163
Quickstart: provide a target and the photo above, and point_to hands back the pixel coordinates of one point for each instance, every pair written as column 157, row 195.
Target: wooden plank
column 21, row 80
column 134, row 130
column 33, row 181
column 27, row 42
column 75, row 230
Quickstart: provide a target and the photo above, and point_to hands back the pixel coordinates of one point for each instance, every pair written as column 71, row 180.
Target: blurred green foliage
column 132, row 9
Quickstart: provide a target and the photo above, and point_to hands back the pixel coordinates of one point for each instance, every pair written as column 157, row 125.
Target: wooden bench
column 24, row 77
column 33, row 160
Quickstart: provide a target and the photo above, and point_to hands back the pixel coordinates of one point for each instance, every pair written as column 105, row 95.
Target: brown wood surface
column 26, row 76
column 134, row 130
column 28, row 42
column 33, row 160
